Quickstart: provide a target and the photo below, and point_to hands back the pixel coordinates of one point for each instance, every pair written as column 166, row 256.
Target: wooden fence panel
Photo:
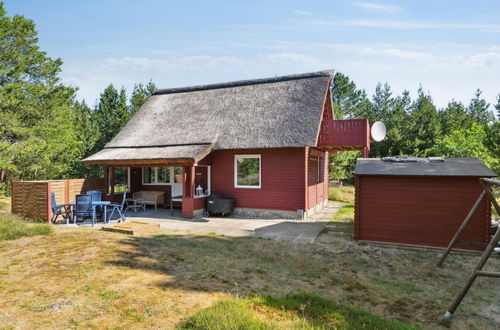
column 81, row 186
column 58, row 187
column 31, row 199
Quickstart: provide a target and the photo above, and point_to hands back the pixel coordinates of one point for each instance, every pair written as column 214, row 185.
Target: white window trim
column 171, row 177
column 236, row 157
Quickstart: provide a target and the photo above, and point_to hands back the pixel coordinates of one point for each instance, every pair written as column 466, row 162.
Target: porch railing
column 349, row 133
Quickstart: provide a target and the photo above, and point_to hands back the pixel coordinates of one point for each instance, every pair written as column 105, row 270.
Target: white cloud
column 302, row 12
column 378, row 7
column 402, row 25
column 447, row 70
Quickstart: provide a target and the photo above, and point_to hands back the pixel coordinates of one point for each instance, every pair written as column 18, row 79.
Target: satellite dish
column 378, row 131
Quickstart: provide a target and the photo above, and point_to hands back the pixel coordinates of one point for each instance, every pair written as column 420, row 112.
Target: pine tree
column 479, row 109
column 87, row 134
column 36, row 129
column 139, row 95
column 110, row 115
column 382, row 102
column 348, row 101
column 424, row 127
column 455, row 117
column 497, row 106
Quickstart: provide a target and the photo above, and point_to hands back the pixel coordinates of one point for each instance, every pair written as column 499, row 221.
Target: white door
column 176, row 175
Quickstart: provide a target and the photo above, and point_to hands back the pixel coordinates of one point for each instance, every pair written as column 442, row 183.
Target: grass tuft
column 344, row 214
column 344, row 194
column 13, row 227
column 298, row 311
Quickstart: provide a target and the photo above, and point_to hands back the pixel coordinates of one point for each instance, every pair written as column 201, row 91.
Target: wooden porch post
column 112, row 183
column 187, row 192
column 106, row 180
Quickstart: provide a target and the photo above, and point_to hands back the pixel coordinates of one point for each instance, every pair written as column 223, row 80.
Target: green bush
column 12, row 227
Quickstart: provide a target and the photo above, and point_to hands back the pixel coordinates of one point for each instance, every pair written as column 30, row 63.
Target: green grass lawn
column 13, row 227
column 345, row 196
column 344, row 214
column 298, row 311
column 173, row 279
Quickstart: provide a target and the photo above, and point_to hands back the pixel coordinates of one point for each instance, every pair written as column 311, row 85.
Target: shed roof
column 469, row 166
column 261, row 113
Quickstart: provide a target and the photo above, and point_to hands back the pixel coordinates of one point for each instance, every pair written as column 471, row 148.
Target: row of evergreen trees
column 417, row 127
column 45, row 131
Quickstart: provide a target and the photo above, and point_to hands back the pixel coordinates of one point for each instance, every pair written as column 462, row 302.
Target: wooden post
column 478, row 270
column 475, row 273
column 49, row 200
column 67, row 184
column 187, row 192
column 112, row 183
column 106, row 181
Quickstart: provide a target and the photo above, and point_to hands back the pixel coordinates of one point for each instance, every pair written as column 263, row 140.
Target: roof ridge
column 238, row 83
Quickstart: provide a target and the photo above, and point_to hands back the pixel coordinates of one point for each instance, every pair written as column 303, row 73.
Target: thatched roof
column 150, row 155
column 263, row 113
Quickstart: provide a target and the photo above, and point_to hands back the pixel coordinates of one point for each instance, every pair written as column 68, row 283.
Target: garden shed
column 420, row 201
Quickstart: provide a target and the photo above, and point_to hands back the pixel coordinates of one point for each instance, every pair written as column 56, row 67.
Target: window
column 177, row 174
column 321, row 169
column 122, row 179
column 148, row 175
column 161, row 175
column 247, row 171
column 316, row 169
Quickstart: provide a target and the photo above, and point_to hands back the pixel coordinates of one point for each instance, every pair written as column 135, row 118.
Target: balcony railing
column 344, row 134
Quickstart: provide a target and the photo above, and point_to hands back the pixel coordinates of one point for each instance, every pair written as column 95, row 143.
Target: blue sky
column 449, row 47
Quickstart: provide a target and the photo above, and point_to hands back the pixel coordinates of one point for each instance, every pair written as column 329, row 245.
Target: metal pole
column 462, row 228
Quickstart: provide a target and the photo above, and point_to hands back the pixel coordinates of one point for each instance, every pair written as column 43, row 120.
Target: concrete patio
column 297, row 231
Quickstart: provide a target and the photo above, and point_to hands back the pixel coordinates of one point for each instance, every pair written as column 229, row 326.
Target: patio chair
column 84, row 208
column 118, row 207
column 96, row 197
column 57, row 210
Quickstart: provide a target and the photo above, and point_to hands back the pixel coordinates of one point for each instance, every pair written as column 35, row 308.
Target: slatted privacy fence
column 31, row 199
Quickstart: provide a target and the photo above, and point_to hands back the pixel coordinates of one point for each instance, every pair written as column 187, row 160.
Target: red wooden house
column 264, row 142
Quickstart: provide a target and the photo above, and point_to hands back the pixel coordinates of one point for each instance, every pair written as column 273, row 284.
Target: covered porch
column 171, row 173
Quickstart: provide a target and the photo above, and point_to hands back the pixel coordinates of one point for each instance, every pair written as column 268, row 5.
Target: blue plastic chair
column 118, row 208
column 96, row 195
column 84, row 208
column 57, row 210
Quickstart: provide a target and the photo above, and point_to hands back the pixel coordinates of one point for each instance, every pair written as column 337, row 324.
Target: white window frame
column 171, row 176
column 236, row 157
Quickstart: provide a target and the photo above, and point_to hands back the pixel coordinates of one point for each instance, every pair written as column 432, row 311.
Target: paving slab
column 297, row 231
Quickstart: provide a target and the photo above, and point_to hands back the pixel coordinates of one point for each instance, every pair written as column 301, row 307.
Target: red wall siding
column 418, row 210
column 282, row 181
column 316, row 192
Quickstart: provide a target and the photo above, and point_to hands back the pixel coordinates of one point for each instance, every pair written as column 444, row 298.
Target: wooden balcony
column 350, row 134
